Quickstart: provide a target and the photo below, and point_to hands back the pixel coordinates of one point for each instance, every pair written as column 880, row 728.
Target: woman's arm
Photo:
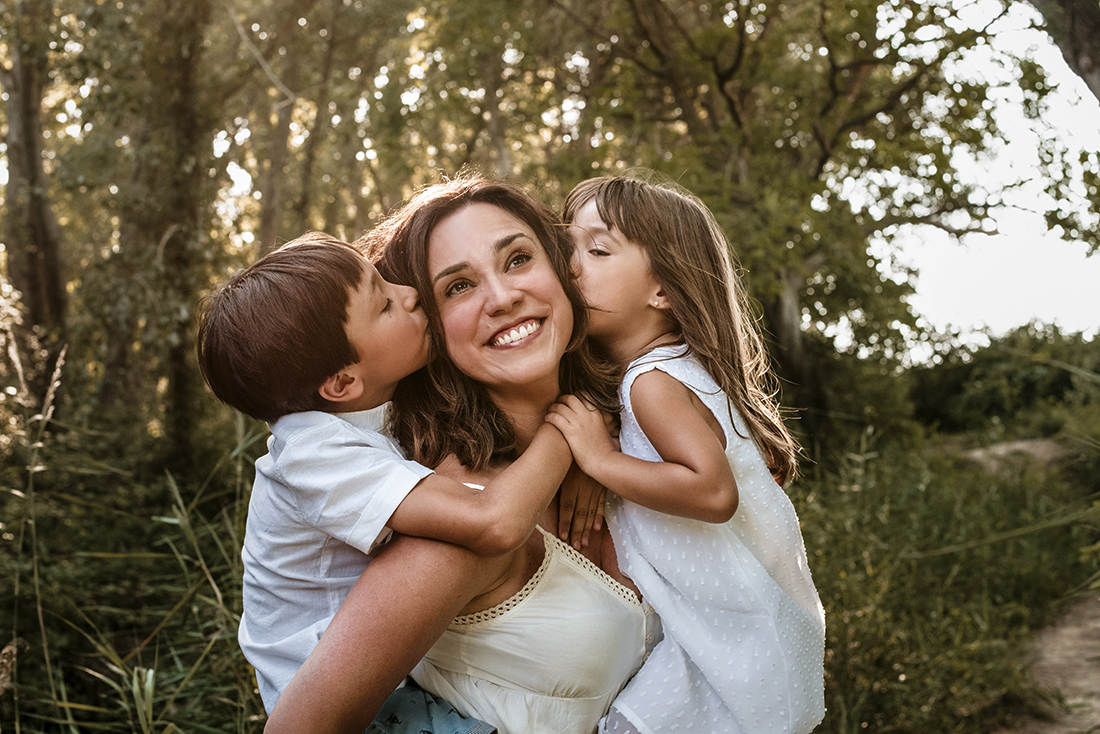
column 694, row 478
column 401, row 604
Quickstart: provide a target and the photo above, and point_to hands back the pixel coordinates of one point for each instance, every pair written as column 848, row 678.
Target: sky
column 1025, row 273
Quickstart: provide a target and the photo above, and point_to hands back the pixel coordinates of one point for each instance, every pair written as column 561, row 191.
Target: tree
column 1075, row 26
column 812, row 129
column 33, row 237
column 159, row 106
column 809, row 129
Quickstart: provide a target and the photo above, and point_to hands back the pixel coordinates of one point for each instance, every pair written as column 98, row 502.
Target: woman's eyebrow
column 499, row 245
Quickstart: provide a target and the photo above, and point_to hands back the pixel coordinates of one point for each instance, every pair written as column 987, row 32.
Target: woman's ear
column 342, row 387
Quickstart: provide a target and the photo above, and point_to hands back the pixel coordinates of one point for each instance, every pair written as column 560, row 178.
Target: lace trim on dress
column 508, row 604
column 598, row 572
column 512, row 602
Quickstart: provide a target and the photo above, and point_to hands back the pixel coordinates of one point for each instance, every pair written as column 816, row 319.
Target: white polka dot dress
column 744, row 629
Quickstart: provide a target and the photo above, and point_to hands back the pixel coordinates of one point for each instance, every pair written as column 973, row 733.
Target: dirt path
column 1065, row 658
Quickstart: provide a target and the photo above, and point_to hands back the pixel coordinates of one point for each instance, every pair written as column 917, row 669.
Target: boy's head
column 274, row 339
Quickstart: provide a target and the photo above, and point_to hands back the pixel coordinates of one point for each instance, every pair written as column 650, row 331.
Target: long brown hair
column 440, row 411
column 690, row 258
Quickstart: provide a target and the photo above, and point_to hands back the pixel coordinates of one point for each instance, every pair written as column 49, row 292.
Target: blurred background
column 908, row 186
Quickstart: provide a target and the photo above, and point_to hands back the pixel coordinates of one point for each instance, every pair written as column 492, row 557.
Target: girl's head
column 687, row 253
column 691, row 267
column 488, row 260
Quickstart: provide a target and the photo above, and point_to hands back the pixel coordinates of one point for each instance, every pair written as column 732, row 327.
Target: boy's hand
column 585, row 428
column 580, row 507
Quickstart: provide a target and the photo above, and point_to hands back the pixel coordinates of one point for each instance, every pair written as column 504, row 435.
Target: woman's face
column 505, row 317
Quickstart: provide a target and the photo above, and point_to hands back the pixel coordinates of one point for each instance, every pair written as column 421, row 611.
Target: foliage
column 1029, row 382
column 182, row 139
column 933, row 571
column 132, row 630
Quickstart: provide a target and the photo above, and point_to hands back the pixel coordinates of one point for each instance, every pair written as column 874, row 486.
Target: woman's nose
column 500, row 296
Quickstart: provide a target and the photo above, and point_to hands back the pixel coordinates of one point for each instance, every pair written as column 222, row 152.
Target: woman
column 543, row 640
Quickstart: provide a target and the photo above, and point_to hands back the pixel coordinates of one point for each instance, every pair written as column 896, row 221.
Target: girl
column 699, row 522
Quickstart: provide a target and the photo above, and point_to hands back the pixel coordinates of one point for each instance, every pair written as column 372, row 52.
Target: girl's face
column 614, row 276
column 506, row 319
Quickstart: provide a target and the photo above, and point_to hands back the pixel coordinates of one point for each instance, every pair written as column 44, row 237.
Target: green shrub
column 933, row 571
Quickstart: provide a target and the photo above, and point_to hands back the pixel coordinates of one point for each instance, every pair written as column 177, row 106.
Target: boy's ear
column 342, row 387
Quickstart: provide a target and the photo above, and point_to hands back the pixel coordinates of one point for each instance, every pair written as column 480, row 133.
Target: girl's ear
column 659, row 300
column 341, row 387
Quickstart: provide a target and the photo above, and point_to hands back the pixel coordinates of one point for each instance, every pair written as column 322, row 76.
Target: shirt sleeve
column 347, row 482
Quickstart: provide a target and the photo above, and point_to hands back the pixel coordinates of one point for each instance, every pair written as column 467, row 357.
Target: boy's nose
column 410, row 299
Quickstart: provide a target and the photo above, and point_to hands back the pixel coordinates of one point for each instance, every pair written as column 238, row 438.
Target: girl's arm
column 693, row 479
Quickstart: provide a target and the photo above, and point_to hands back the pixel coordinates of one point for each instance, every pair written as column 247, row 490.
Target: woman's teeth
column 516, row 334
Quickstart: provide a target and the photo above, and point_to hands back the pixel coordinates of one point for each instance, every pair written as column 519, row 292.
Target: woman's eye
column 518, row 259
column 389, row 302
column 455, row 288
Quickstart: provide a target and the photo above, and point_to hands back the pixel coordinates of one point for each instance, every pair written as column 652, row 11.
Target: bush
column 933, row 571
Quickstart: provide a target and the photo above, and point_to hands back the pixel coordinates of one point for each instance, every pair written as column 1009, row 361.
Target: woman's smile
column 506, row 318
column 513, row 336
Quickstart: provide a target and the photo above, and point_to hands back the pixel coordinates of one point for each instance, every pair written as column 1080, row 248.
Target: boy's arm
column 694, row 478
column 401, row 604
column 493, row 520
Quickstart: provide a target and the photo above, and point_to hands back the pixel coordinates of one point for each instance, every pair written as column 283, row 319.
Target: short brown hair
column 274, row 332
column 440, row 411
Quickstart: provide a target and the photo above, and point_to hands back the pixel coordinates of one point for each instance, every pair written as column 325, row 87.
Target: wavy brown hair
column 691, row 260
column 439, row 411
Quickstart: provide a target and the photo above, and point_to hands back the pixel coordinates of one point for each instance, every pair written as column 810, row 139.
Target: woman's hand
column 580, row 507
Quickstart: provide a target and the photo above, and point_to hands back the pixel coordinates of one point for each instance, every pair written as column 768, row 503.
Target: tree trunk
column 321, row 126
column 33, row 236
column 1075, row 26
column 783, row 320
column 162, row 230
column 783, row 327
column 271, row 212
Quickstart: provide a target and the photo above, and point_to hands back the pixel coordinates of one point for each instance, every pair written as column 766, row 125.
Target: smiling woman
column 443, row 411
column 543, row 639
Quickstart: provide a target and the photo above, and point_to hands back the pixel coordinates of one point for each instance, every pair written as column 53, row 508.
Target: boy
column 312, row 340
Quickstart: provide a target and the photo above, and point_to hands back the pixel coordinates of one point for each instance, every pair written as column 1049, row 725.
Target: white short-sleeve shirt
column 322, row 497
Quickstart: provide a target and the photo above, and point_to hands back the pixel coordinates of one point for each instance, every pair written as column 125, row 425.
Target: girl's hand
column 585, row 428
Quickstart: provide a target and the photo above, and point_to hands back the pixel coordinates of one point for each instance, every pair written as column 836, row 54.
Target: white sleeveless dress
column 744, row 629
column 550, row 659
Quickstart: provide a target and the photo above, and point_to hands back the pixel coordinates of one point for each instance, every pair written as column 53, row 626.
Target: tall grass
column 136, row 630
column 933, row 571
